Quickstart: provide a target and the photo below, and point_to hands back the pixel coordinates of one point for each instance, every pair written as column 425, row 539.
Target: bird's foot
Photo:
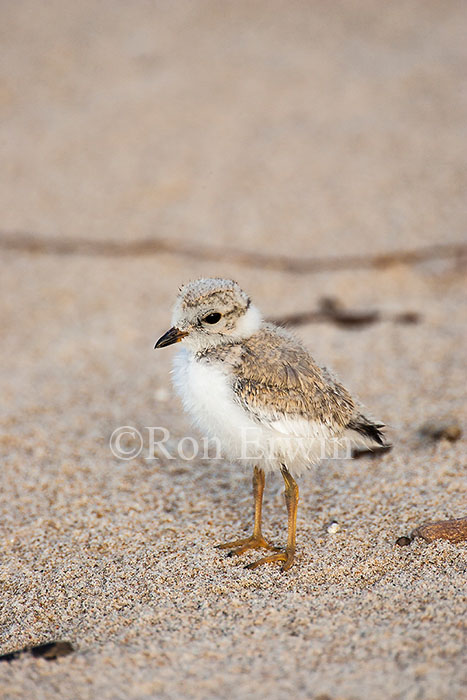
column 240, row 546
column 286, row 556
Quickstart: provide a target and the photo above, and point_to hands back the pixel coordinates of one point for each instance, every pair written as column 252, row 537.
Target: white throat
column 248, row 324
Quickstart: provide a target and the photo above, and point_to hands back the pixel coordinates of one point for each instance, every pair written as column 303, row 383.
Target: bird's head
column 210, row 312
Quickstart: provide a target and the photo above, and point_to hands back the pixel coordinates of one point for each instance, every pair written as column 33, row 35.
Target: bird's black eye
column 212, row 318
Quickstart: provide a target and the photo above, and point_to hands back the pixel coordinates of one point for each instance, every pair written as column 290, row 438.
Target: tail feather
column 368, row 430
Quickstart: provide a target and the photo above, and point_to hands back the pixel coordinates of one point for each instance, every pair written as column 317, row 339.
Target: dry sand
column 300, row 128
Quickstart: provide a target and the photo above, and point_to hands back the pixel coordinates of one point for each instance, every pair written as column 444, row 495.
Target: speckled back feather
column 274, row 374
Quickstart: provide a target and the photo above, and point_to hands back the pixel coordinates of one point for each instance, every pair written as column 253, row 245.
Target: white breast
column 207, row 395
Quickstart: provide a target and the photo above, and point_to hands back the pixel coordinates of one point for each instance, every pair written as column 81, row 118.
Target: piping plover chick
column 255, row 387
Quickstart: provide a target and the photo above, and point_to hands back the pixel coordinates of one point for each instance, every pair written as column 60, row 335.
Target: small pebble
column 404, row 541
column 454, row 530
column 333, row 527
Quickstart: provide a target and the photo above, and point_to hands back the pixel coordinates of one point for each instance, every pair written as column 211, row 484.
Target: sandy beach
column 284, row 132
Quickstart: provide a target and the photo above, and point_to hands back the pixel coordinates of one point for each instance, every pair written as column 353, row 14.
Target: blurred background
column 294, row 127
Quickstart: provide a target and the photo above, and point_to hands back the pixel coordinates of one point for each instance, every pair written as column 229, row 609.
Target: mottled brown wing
column 275, row 376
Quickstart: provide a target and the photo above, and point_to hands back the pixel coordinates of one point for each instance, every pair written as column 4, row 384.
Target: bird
column 254, row 387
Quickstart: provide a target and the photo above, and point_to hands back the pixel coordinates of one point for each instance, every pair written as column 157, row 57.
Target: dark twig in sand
column 331, row 311
column 152, row 246
column 444, row 428
column 374, row 453
column 49, row 651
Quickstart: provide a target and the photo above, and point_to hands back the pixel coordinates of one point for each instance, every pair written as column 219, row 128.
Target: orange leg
column 256, row 540
column 291, row 500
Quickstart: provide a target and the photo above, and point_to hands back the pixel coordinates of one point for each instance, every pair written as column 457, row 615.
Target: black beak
column 173, row 335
